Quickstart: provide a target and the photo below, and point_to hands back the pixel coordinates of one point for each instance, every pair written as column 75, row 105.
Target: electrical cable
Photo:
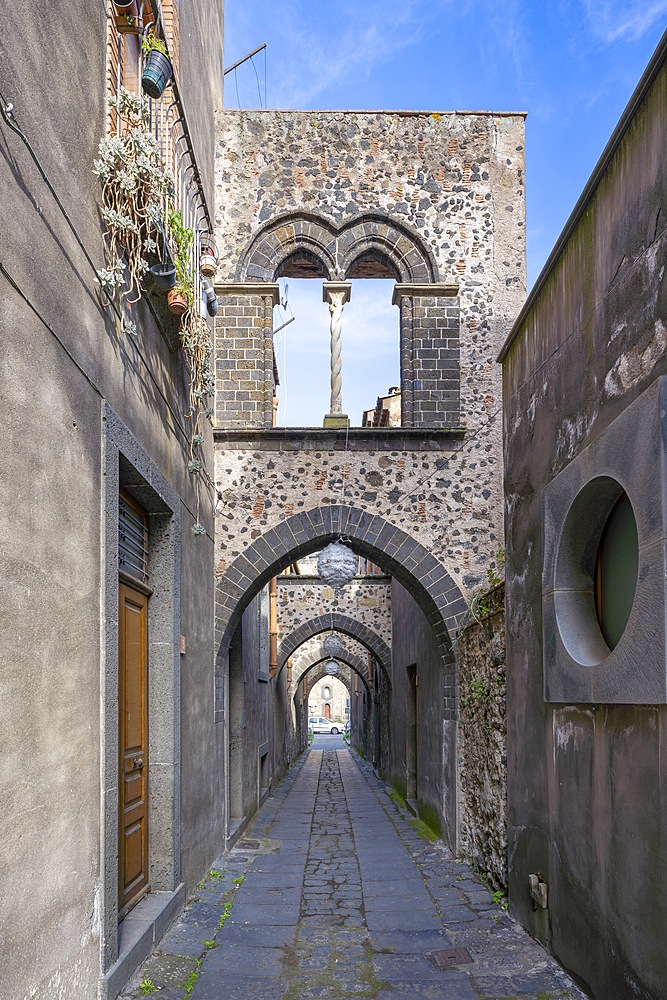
column 259, row 89
column 236, row 82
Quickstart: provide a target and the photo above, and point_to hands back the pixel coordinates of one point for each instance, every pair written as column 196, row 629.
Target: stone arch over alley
column 434, row 203
column 337, row 623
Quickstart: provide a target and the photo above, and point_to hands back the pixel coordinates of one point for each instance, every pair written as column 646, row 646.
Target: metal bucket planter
column 157, row 74
column 164, row 275
column 177, row 301
column 208, row 260
column 129, row 19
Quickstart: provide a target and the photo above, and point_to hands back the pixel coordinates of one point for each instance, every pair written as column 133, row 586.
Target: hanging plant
column 135, row 186
column 181, row 297
column 157, row 70
column 198, row 349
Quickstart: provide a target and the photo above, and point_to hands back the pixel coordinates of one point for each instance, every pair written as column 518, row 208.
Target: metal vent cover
column 132, row 542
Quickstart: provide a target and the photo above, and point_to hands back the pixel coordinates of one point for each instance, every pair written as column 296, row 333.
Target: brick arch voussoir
column 402, row 247
column 370, row 535
column 336, row 622
column 281, row 239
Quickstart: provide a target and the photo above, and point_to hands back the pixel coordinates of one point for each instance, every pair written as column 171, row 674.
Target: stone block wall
column 244, row 358
column 366, row 601
column 482, row 743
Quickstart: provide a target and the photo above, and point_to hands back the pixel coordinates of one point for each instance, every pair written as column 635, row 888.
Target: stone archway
column 321, row 249
column 370, row 535
column 334, row 621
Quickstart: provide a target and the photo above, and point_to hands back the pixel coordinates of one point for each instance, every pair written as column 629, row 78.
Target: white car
column 317, row 724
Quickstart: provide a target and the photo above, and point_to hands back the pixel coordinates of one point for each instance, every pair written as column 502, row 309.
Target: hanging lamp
column 336, row 565
column 333, row 645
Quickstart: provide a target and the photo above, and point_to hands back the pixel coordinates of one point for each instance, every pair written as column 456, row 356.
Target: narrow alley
column 337, row 891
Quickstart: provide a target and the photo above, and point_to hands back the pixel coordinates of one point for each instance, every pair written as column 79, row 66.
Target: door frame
column 127, row 466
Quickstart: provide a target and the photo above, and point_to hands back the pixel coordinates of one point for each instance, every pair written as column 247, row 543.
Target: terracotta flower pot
column 129, row 20
column 176, row 301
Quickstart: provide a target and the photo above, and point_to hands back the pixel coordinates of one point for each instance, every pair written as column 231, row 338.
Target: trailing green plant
column 151, row 42
column 181, row 238
column 135, row 188
column 485, row 599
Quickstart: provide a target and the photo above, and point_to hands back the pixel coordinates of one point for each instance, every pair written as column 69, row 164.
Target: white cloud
column 322, row 45
column 612, row 20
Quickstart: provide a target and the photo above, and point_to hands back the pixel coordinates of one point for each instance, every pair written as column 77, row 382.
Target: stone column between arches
column 429, row 354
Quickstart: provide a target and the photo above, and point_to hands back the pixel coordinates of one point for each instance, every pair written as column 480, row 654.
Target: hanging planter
column 164, row 275
column 177, row 301
column 208, row 260
column 129, row 18
column 336, row 565
column 157, row 66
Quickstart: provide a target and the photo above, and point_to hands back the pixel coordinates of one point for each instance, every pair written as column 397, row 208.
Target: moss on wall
column 483, row 746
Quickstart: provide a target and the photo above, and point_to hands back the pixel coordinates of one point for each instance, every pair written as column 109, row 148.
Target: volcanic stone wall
column 435, row 200
column 301, row 601
column 482, row 743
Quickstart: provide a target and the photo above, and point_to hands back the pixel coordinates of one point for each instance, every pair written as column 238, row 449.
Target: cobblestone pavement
column 334, row 892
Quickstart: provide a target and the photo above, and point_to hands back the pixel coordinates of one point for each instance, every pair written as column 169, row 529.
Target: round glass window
column 616, row 569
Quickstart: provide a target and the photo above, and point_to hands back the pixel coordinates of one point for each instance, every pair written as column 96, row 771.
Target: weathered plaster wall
column 482, row 744
column 414, row 647
column 587, row 797
column 62, row 361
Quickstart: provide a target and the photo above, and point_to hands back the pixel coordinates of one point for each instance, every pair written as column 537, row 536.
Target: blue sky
column 570, row 64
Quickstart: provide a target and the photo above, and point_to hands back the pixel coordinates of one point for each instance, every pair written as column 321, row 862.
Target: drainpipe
column 273, row 627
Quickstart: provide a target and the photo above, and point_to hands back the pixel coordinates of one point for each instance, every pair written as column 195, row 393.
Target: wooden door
column 133, row 748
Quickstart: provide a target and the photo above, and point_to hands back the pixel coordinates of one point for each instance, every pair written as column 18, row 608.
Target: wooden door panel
column 133, row 748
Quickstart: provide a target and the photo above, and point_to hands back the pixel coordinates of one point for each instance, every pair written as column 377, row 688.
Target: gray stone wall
column 587, row 801
column 367, row 601
column 433, row 200
column 482, row 743
column 244, row 359
column 432, row 742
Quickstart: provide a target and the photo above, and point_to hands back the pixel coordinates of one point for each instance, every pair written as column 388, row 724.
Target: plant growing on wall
column 181, row 297
column 137, row 191
column 135, row 187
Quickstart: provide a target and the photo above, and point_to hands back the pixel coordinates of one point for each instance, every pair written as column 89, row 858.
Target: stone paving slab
column 334, row 893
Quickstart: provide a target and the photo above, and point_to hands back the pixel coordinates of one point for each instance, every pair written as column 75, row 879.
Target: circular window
column 596, row 571
column 616, row 570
